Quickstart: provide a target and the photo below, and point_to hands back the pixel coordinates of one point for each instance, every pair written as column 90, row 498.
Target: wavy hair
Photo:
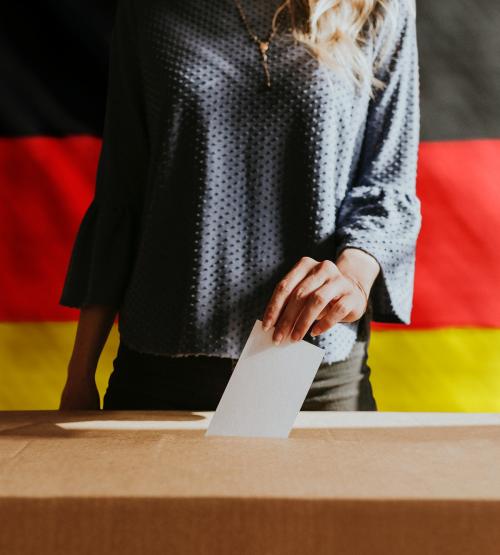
column 335, row 31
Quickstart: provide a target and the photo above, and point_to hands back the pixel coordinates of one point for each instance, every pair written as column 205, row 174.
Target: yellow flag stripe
column 449, row 369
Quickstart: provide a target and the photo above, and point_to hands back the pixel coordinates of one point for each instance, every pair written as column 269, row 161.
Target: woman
column 258, row 162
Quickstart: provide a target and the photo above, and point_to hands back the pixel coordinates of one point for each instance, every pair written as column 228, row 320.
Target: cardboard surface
column 260, row 399
column 151, row 482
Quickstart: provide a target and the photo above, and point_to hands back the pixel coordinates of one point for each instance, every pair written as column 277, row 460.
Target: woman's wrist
column 80, row 370
column 360, row 266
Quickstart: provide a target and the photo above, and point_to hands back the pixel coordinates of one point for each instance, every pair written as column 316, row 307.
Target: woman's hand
column 80, row 393
column 320, row 291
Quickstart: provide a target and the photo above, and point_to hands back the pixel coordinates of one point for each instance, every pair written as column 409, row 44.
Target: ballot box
column 341, row 483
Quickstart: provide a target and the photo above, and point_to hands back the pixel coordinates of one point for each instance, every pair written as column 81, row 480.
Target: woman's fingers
column 284, row 288
column 336, row 312
column 317, row 303
column 312, row 292
column 301, row 295
column 322, row 313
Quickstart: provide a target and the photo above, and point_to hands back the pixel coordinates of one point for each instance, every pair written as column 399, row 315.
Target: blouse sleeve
column 103, row 251
column 381, row 213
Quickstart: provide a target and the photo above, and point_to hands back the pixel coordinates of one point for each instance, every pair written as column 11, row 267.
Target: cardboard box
column 342, row 483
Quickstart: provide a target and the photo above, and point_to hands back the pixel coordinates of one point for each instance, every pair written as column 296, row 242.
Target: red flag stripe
column 47, row 183
column 457, row 266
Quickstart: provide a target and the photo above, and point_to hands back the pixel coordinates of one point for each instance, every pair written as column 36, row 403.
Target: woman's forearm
column 360, row 265
column 94, row 326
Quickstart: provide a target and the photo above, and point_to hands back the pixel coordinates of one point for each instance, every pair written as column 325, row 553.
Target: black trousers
column 142, row 381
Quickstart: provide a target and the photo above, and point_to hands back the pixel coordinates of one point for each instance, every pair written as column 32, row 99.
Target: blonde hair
column 334, row 32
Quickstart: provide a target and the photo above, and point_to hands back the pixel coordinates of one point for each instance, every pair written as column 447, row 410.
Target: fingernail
column 278, row 339
column 314, row 333
column 295, row 336
column 266, row 324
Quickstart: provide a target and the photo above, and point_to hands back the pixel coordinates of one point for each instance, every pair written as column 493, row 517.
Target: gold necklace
column 262, row 44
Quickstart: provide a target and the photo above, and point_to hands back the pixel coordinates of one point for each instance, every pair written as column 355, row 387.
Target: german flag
column 52, row 101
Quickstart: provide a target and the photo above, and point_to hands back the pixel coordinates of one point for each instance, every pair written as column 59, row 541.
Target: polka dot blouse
column 210, row 185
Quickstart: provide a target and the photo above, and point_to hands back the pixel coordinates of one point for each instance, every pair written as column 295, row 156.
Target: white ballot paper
column 267, row 387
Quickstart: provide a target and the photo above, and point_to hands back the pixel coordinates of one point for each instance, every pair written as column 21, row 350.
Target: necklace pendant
column 264, row 46
column 268, row 76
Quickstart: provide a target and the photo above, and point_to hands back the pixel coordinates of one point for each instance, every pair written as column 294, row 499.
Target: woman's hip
column 155, row 382
column 345, row 384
